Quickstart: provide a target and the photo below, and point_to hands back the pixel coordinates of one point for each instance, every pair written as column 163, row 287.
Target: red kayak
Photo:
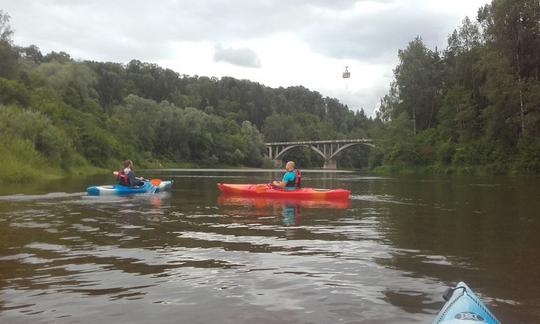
column 269, row 191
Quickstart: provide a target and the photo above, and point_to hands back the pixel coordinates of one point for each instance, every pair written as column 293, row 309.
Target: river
column 191, row 256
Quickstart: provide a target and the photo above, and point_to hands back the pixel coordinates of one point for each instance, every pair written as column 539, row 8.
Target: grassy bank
column 21, row 163
column 15, row 172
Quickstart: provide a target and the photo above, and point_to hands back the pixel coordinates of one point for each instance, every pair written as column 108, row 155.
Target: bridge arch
column 288, row 148
column 327, row 149
column 346, row 146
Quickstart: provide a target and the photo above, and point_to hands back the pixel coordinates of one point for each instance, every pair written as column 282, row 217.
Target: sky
column 278, row 43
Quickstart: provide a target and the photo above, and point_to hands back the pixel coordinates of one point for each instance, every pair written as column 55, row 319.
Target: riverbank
column 483, row 170
column 29, row 174
column 35, row 169
column 18, row 170
column 20, row 162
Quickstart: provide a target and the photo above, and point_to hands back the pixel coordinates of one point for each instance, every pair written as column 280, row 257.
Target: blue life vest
column 296, row 183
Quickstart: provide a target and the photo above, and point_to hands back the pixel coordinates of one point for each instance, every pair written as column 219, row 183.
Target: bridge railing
column 361, row 140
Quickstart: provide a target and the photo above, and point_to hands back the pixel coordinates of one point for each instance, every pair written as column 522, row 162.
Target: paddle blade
column 115, row 173
column 155, row 182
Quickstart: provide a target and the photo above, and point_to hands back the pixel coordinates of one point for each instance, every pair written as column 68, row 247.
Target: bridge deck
column 362, row 140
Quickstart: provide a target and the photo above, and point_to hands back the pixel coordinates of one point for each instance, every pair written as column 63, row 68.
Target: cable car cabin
column 346, row 74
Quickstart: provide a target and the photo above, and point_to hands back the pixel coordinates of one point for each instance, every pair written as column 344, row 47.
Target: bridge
column 328, row 150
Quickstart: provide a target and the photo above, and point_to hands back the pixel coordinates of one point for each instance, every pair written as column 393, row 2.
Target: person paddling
column 291, row 178
column 126, row 176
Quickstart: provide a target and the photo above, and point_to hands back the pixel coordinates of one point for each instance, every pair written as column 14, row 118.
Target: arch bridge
column 328, row 149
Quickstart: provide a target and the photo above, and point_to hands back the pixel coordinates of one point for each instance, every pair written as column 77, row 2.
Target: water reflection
column 150, row 207
column 289, row 210
column 385, row 257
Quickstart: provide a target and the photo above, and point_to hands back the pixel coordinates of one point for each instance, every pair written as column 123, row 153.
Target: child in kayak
column 126, row 176
column 291, row 178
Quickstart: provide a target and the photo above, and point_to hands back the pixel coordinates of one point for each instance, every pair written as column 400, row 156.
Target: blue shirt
column 289, row 176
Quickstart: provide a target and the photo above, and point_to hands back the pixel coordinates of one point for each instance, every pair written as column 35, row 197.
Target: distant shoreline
column 254, row 170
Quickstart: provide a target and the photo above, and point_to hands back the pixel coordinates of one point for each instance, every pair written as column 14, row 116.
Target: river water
column 191, row 256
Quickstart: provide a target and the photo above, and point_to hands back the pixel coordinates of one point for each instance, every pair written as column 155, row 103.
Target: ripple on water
column 187, row 257
column 382, row 199
column 52, row 195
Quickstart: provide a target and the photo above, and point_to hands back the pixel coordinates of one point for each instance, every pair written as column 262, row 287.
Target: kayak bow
column 463, row 306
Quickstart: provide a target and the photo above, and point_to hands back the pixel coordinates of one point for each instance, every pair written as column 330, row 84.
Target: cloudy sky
column 274, row 42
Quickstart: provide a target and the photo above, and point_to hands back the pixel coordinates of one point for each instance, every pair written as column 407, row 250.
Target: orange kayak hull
column 267, row 191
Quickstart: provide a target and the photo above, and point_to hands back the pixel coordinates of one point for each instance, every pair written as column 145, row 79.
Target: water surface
column 191, row 256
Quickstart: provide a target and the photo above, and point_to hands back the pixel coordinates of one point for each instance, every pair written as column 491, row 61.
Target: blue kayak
column 117, row 189
column 463, row 306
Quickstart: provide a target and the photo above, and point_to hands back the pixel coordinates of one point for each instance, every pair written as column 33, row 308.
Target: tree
column 511, row 28
column 463, row 99
column 31, row 54
column 8, row 56
column 389, row 105
column 5, row 28
column 74, row 82
column 418, row 81
column 58, row 57
column 254, row 144
column 281, row 128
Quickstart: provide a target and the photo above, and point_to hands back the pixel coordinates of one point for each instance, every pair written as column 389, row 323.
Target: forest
column 472, row 107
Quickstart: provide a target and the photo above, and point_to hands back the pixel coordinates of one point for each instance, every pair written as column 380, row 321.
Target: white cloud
column 237, row 56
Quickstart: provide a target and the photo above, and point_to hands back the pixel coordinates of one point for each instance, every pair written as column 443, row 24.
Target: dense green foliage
column 474, row 106
column 59, row 115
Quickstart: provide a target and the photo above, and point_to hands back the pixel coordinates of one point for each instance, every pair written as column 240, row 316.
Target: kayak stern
column 92, row 191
